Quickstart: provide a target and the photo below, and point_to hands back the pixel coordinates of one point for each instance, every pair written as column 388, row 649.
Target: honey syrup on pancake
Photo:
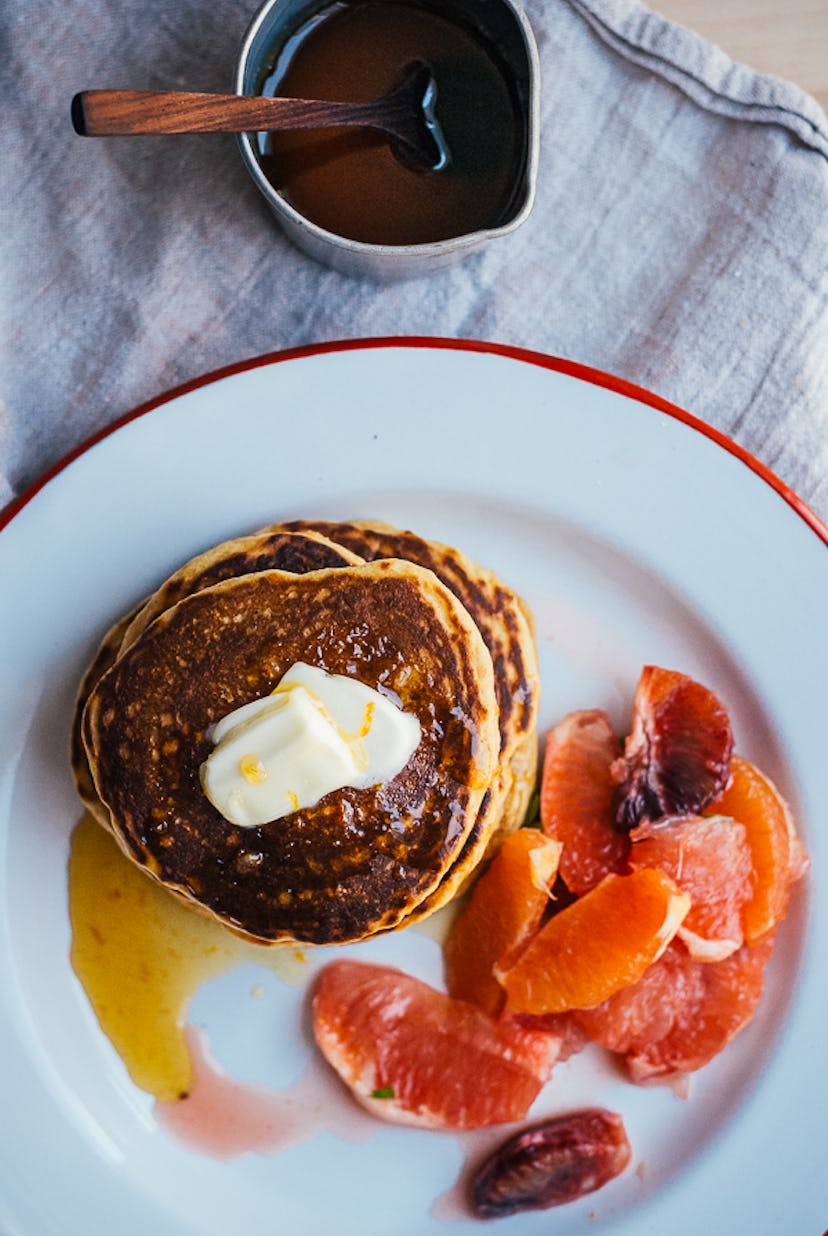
column 359, row 861
column 141, row 955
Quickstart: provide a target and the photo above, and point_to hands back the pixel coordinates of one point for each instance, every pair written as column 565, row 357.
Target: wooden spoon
column 405, row 114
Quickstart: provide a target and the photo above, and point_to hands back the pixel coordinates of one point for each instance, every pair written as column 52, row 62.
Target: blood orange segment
column 577, row 796
column 557, row 1161
column 506, row 905
column 677, row 757
column 602, row 942
column 708, row 857
column 776, row 853
column 681, row 1013
column 416, row 1056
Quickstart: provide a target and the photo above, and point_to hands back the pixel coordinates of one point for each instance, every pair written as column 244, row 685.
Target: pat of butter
column 317, row 732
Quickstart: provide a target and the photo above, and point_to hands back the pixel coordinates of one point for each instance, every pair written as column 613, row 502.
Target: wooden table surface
column 788, row 38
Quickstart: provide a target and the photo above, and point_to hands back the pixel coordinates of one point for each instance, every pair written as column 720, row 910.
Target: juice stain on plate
column 225, row 1118
column 141, row 955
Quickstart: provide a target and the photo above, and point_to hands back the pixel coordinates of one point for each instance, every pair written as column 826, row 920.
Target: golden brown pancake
column 358, row 862
column 294, row 551
column 285, row 551
column 498, row 611
column 505, row 624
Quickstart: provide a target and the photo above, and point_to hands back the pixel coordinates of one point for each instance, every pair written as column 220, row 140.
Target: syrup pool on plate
column 141, row 955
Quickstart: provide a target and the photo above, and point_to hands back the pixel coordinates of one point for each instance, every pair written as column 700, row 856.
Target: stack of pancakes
column 443, row 638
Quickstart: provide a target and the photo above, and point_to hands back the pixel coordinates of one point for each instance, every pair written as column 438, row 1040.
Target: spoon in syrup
column 406, row 115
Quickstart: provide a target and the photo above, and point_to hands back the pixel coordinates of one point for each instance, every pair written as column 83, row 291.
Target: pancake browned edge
column 106, row 656
column 358, row 862
column 505, row 624
column 297, row 552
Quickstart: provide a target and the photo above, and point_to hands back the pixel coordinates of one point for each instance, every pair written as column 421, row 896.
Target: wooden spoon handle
column 111, row 113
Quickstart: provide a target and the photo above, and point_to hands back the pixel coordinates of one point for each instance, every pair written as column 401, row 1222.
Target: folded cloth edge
column 703, row 71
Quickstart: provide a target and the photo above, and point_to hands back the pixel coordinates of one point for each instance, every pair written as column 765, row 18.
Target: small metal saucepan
column 503, row 24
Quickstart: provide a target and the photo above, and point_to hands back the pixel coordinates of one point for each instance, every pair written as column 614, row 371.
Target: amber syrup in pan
column 349, row 181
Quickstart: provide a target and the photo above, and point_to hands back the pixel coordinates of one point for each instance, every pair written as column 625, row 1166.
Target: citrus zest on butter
column 252, row 769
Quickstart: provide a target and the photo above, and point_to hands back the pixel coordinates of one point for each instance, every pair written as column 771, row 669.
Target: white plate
column 637, row 536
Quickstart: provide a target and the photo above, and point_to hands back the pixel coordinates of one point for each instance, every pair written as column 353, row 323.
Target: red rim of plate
column 544, row 361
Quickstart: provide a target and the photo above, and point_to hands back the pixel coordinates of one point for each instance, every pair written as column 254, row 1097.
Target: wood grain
column 788, row 38
column 124, row 113
column 404, row 114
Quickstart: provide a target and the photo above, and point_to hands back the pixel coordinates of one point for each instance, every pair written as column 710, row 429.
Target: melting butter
column 315, row 733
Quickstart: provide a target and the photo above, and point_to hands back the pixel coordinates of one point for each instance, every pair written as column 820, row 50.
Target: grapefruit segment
column 677, row 756
column 506, row 905
column 681, row 1013
column 577, row 796
column 602, row 942
column 573, row 1038
column 708, row 857
column 776, row 854
column 413, row 1055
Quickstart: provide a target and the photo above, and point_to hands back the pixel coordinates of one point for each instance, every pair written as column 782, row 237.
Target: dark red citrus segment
column 554, row 1162
column 677, row 757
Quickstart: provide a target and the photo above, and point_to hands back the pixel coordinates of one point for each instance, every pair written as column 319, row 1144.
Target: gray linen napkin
column 680, row 236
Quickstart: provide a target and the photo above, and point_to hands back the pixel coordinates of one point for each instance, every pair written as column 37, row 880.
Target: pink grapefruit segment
column 413, row 1055
column 708, row 857
column 681, row 1013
